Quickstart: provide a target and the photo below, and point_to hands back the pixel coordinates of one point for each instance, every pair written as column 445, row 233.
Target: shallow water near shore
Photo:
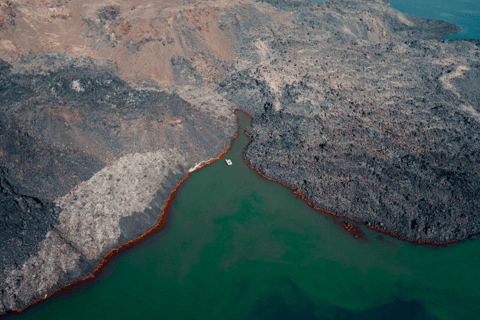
column 464, row 13
column 238, row 246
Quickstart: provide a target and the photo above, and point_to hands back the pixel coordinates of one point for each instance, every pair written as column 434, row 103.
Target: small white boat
column 228, row 161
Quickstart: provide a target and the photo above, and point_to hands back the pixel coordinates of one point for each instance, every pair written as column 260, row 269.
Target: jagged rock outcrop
column 365, row 110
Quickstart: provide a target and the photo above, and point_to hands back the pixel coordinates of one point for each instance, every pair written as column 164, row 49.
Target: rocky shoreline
column 88, row 162
column 364, row 110
column 159, row 223
column 362, row 183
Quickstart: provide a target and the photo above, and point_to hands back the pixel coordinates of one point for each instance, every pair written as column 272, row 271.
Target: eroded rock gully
column 364, row 110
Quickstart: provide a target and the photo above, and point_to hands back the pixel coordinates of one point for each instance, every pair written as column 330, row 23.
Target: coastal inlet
column 237, row 246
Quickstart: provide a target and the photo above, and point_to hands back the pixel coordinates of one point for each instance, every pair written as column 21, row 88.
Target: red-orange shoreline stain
column 165, row 208
column 168, row 204
column 301, row 196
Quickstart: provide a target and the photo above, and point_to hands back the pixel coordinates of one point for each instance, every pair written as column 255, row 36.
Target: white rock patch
column 472, row 111
column 445, row 79
column 41, row 272
column 89, row 221
column 77, row 86
column 92, row 211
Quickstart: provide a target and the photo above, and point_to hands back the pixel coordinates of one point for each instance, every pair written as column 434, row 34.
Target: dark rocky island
column 364, row 110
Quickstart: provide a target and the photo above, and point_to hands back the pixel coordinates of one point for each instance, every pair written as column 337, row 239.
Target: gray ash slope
column 365, row 110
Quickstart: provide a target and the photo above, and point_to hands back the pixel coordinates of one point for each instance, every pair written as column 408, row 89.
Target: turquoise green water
column 464, row 13
column 240, row 247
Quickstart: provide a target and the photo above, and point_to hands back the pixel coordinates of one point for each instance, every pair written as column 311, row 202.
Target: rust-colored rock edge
column 165, row 208
column 354, row 230
column 168, row 204
column 301, row 196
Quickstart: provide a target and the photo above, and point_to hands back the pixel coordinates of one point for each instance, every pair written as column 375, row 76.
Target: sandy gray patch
column 39, row 273
column 91, row 212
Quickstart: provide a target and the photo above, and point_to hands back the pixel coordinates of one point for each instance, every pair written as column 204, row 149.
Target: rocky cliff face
column 106, row 106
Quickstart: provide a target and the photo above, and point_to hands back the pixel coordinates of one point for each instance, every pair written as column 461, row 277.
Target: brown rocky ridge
column 106, row 105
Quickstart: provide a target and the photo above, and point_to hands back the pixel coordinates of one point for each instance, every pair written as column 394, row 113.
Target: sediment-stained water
column 238, row 246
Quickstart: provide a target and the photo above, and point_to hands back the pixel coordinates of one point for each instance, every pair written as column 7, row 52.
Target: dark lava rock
column 361, row 171
column 365, row 110
column 24, row 222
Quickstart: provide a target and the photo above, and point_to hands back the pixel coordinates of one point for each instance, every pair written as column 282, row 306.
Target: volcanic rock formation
column 105, row 105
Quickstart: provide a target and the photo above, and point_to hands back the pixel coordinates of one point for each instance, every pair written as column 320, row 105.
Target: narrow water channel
column 238, row 246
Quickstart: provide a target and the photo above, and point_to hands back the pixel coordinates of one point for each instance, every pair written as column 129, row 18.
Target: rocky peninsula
column 106, row 105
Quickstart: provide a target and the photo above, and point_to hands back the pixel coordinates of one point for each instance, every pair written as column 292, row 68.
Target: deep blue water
column 464, row 13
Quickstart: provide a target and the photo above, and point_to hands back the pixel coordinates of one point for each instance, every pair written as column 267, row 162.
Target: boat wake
column 200, row 164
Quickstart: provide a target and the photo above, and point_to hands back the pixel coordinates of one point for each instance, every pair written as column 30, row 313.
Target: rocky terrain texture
column 105, row 106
